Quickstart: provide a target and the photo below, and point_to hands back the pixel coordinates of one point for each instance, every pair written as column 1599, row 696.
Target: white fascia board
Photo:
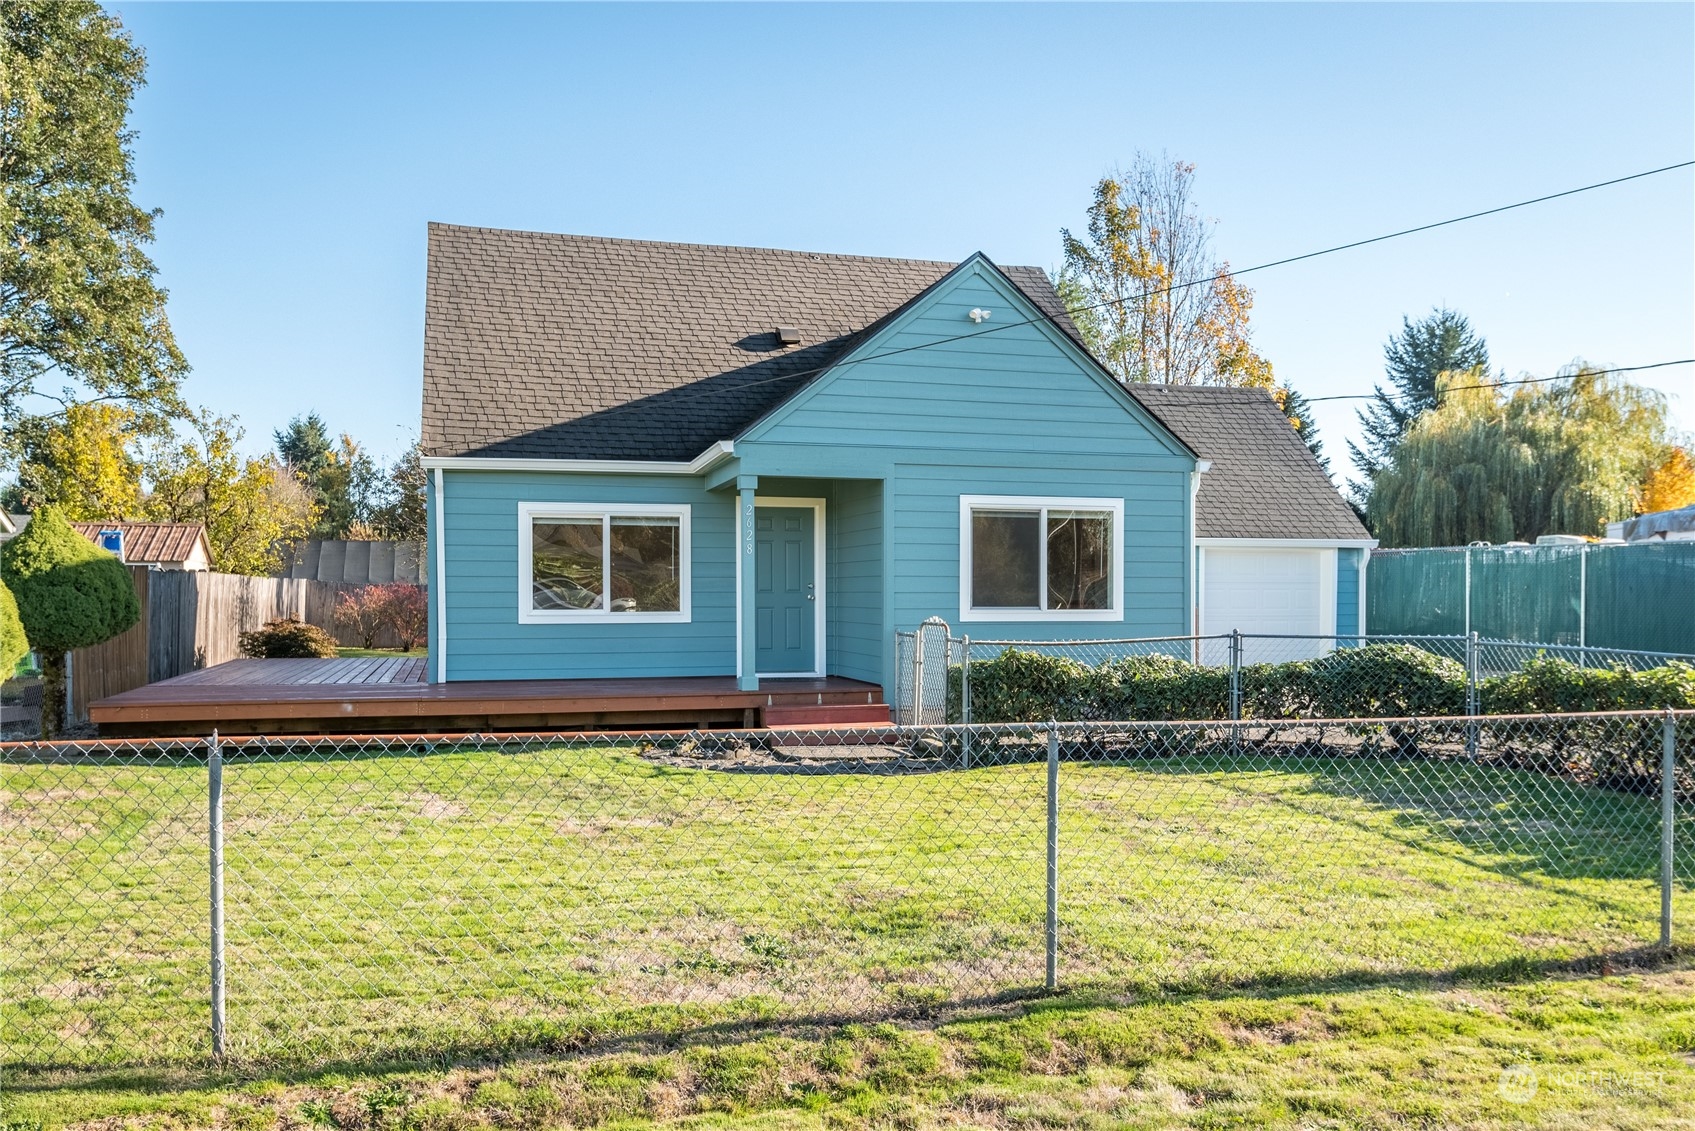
column 706, row 460
column 1289, row 543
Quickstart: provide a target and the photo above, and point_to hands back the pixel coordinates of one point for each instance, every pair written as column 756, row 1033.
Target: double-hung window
column 1024, row 558
column 613, row 563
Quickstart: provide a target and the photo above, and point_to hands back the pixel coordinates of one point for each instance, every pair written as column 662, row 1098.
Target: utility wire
column 682, row 394
column 1518, row 381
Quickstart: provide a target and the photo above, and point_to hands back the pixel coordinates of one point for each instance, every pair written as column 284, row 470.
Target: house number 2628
column 747, row 527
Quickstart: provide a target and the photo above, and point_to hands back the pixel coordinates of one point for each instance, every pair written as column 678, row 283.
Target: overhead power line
column 1516, row 381
column 1000, row 327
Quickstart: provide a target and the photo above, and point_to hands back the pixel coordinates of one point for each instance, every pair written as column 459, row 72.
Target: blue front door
column 785, row 608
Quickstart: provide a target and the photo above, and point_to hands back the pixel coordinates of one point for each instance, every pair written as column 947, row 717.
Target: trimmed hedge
column 1550, row 685
column 1375, row 681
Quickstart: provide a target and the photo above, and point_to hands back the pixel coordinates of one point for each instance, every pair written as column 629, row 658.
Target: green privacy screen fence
column 1638, row 597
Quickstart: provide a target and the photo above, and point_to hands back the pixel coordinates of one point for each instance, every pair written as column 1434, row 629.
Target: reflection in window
column 606, row 563
column 1043, row 558
column 568, row 555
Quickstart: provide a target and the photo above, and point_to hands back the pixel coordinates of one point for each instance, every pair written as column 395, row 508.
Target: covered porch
column 811, row 578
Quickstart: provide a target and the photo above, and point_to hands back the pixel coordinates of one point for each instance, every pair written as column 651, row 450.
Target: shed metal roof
column 161, row 543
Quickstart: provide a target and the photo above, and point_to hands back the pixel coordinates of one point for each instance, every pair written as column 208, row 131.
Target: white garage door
column 1277, row 592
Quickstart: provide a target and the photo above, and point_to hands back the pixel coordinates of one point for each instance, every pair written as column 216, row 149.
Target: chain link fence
column 315, row 901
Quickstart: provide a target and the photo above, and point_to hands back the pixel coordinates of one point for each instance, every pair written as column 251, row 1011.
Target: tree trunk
column 52, row 693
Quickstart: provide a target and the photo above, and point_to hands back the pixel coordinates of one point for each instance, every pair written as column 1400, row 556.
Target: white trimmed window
column 1030, row 558
column 590, row 562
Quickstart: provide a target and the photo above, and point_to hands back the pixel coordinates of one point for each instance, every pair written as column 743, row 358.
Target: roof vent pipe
column 788, row 336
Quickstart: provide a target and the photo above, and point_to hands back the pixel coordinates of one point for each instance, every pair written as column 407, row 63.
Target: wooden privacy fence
column 190, row 620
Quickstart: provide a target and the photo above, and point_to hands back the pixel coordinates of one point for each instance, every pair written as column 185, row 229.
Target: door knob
column 811, row 597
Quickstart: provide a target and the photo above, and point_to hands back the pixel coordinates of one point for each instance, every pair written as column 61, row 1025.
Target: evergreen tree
column 304, row 446
column 342, row 478
column 14, row 644
column 71, row 594
column 1299, row 412
column 1442, row 342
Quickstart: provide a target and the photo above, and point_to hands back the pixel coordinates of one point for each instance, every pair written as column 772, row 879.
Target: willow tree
column 1489, row 464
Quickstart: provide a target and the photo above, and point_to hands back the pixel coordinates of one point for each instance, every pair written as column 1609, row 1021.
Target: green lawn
column 1343, row 942
column 347, row 652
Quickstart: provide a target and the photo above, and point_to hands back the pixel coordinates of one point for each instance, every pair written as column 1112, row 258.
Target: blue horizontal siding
column 484, row 637
column 1348, row 591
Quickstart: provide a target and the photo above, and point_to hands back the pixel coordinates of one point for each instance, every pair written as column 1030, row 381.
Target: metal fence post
column 1471, row 703
column 965, row 702
column 1235, row 674
column 1052, row 981
column 1668, row 816
column 215, row 843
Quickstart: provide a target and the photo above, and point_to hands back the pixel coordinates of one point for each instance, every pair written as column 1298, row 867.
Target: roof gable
column 576, row 347
column 1018, row 309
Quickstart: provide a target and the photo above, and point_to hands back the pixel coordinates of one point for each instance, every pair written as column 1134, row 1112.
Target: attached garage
column 1270, row 590
column 1278, row 551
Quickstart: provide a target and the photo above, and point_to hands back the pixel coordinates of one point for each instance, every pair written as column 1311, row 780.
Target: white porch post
column 747, row 678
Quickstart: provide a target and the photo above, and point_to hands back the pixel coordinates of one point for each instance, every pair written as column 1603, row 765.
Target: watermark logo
column 1518, row 1083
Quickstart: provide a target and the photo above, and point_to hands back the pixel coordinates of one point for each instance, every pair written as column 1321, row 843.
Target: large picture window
column 614, row 563
column 1040, row 558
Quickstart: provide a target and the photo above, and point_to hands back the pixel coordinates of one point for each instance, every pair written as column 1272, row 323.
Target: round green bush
column 70, row 593
column 14, row 644
column 288, row 638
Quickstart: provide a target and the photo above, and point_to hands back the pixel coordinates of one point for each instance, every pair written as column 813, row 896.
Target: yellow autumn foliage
column 1670, row 485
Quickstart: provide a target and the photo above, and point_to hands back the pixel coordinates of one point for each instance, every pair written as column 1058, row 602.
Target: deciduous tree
column 1145, row 290
column 253, row 509
column 79, row 307
column 400, row 512
column 1565, row 457
column 1670, row 485
column 83, row 462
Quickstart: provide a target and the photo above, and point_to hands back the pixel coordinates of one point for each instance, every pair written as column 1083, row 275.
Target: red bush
column 406, row 609
column 361, row 612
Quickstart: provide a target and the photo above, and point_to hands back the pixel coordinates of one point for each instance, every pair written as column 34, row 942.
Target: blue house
column 654, row 460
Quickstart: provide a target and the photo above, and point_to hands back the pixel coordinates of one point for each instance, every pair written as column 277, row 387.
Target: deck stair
column 816, row 715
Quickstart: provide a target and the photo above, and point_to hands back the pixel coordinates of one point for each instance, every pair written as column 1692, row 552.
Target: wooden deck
column 389, row 695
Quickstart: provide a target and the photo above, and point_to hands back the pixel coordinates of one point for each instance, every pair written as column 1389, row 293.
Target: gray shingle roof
column 587, row 348
column 581, row 347
column 1263, row 483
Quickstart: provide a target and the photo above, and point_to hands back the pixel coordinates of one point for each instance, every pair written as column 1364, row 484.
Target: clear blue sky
column 299, row 150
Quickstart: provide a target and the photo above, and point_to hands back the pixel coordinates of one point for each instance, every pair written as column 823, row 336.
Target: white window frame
column 1044, row 503
column 529, row 513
